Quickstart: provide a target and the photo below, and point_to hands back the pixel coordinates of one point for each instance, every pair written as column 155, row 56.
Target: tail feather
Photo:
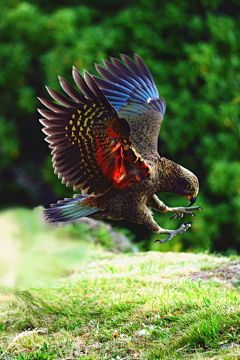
column 70, row 209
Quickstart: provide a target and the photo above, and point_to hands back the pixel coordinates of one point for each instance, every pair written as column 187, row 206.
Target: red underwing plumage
column 106, row 141
column 91, row 146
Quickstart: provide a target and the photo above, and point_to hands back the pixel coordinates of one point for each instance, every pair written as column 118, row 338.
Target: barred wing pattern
column 91, row 146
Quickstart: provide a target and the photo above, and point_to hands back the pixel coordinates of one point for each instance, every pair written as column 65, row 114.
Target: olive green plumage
column 105, row 143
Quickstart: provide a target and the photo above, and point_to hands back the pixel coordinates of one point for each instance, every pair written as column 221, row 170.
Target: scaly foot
column 172, row 233
column 180, row 211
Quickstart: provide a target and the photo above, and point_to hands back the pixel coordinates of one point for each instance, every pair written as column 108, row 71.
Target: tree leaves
column 192, row 50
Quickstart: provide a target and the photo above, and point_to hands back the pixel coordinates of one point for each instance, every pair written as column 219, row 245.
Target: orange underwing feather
column 91, row 146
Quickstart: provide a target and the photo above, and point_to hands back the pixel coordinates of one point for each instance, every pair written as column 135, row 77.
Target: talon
column 184, row 226
column 195, row 208
column 173, row 217
column 179, row 212
column 167, row 239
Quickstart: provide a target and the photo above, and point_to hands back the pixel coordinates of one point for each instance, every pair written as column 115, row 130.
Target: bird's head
column 187, row 184
column 181, row 181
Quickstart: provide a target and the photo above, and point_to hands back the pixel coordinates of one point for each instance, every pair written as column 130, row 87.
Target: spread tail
column 70, row 209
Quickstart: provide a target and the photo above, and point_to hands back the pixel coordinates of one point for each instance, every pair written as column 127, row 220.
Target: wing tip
column 74, row 70
column 40, row 112
column 49, row 90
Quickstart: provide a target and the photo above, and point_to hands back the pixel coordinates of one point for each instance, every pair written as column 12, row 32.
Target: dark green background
column 192, row 49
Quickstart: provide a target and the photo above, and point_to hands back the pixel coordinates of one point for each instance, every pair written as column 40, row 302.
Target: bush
column 192, row 50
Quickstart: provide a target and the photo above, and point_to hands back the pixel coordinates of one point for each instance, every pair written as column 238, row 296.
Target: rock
column 119, row 241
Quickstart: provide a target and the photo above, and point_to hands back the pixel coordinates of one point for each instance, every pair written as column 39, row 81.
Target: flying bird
column 104, row 143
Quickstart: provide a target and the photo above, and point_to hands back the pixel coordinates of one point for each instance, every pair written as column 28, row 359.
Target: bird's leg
column 156, row 204
column 148, row 221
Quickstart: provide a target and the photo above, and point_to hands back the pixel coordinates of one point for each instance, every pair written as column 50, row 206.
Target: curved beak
column 191, row 198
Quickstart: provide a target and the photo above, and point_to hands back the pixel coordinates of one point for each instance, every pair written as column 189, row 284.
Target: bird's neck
column 166, row 173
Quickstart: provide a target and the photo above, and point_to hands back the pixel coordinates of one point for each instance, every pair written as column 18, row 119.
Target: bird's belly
column 125, row 205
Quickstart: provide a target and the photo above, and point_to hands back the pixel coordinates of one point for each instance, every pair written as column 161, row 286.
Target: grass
column 128, row 306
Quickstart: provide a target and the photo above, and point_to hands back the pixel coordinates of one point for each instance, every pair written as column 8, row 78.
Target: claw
column 165, row 240
column 187, row 211
column 196, row 208
column 184, row 226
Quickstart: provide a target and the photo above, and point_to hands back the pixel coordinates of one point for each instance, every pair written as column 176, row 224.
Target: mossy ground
column 128, row 306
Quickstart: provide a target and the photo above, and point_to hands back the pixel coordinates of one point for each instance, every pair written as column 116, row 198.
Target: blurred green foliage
column 192, row 49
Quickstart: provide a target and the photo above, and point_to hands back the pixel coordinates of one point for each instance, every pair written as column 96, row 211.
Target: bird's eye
column 189, row 187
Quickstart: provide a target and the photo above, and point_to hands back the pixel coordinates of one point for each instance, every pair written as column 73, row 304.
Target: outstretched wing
column 131, row 90
column 91, row 146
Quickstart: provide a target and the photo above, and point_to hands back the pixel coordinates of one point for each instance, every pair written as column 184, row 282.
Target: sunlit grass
column 143, row 306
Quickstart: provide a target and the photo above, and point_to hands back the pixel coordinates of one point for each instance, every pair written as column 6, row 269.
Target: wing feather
column 130, row 88
column 92, row 150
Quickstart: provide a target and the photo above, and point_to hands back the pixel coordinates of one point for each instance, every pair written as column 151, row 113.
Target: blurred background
column 192, row 49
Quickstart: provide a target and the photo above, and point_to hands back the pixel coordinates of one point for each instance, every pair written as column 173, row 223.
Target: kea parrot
column 105, row 143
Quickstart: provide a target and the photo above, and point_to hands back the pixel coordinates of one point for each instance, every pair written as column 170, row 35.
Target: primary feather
column 92, row 148
column 104, row 141
column 131, row 90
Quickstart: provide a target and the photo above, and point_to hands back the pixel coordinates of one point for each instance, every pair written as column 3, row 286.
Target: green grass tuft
column 145, row 306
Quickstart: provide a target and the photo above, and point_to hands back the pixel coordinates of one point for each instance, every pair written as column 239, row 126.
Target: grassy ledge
column 142, row 306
